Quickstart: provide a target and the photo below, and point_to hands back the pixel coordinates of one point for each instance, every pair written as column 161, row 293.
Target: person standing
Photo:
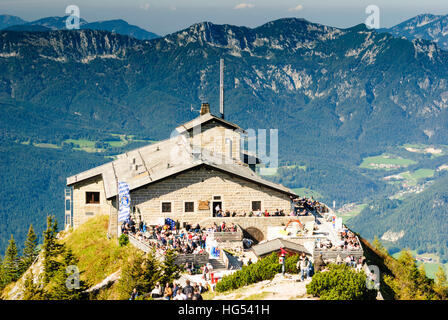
column 188, row 289
column 168, row 292
column 303, row 268
column 134, row 294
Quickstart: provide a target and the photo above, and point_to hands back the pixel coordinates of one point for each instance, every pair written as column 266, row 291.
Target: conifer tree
column 31, row 289
column 2, row 275
column 171, row 271
column 140, row 272
column 65, row 284
column 29, row 251
column 51, row 249
column 441, row 284
column 410, row 281
column 11, row 262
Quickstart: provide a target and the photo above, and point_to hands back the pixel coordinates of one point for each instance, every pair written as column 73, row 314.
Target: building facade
column 184, row 178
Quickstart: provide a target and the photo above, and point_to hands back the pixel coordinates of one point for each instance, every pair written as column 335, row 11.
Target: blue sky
column 163, row 17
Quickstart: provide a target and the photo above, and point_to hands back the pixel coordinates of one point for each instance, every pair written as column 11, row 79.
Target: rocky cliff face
column 68, row 46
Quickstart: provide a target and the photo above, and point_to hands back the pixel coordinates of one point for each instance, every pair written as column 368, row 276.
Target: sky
column 167, row 16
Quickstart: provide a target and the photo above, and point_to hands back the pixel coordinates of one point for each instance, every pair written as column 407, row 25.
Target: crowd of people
column 304, row 206
column 174, row 291
column 223, row 227
column 188, row 240
column 256, row 213
column 348, row 240
column 162, row 238
column 300, row 207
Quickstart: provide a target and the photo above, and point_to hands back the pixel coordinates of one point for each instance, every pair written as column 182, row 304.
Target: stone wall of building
column 82, row 211
column 203, row 184
column 213, row 137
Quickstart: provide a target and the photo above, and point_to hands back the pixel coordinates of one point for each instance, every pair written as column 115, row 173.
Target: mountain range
column 335, row 95
column 13, row 23
column 425, row 26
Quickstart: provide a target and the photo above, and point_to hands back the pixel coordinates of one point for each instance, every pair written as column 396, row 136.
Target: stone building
column 201, row 166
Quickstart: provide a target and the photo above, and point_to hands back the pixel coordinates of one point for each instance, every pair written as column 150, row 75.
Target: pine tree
column 31, row 290
column 51, row 249
column 140, row 272
column 379, row 246
column 441, row 285
column 171, row 271
column 11, row 262
column 410, row 281
column 30, row 250
column 2, row 274
column 62, row 287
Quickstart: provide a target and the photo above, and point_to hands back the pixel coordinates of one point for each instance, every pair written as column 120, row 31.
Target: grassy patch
column 47, row 145
column 413, row 177
column 98, row 256
column 257, row 296
column 422, row 148
column 352, row 213
column 305, row 192
column 293, row 166
column 81, row 143
column 385, row 162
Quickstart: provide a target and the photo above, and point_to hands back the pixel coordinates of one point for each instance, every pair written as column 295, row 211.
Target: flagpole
column 118, row 212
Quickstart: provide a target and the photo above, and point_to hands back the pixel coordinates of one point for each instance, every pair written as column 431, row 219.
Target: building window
column 256, row 205
column 93, row 197
column 166, row 207
column 189, row 206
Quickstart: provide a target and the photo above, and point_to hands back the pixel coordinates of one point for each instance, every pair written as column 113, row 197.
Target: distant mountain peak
column 424, row 26
column 119, row 26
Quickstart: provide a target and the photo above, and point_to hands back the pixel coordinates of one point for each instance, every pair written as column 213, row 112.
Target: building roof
column 204, row 119
column 268, row 247
column 152, row 163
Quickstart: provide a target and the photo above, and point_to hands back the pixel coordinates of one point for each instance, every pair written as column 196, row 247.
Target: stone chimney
column 205, row 108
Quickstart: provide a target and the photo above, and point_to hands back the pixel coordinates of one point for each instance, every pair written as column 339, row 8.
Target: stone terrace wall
column 261, row 223
column 197, row 259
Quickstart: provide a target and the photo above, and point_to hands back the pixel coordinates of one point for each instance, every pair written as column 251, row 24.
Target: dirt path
column 280, row 288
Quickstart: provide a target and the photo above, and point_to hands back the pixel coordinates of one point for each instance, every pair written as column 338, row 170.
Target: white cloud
column 145, row 6
column 296, row 8
column 173, row 8
column 244, row 6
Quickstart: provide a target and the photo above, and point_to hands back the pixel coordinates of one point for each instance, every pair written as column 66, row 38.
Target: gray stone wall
column 202, row 185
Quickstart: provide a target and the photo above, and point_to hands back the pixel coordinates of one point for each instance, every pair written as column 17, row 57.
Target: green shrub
column 264, row 269
column 123, row 240
column 340, row 283
column 290, row 264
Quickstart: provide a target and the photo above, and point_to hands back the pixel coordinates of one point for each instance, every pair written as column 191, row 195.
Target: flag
column 170, row 222
column 124, row 201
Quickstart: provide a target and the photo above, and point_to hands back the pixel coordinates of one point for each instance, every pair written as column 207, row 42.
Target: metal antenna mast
column 221, row 87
